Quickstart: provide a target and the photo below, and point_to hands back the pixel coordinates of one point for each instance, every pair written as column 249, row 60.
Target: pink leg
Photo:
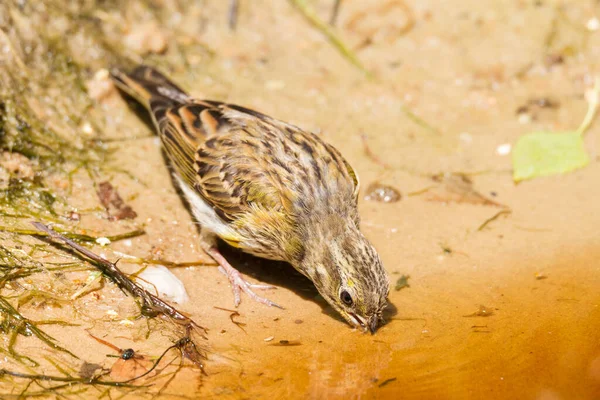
column 237, row 281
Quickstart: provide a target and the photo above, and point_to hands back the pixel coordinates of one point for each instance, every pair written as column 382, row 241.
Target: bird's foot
column 238, row 283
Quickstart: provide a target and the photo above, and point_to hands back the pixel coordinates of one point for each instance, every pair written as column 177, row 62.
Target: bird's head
column 347, row 272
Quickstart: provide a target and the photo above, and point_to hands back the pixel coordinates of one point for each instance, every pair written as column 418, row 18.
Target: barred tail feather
column 151, row 89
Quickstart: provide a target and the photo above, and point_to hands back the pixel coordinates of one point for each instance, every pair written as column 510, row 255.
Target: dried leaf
column 88, row 370
column 457, row 188
column 402, row 282
column 482, row 312
column 114, row 204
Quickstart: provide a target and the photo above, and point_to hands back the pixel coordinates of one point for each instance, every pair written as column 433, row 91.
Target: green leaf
column 544, row 153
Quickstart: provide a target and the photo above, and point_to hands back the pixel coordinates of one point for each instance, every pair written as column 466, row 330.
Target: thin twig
column 492, row 218
column 183, row 345
column 129, row 259
column 151, row 304
column 24, row 324
column 234, row 6
column 420, row 121
column 326, row 30
column 88, row 381
column 371, row 155
column 233, row 314
column 335, row 12
column 75, row 236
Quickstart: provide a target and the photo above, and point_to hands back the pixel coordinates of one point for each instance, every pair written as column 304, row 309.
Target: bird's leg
column 238, row 283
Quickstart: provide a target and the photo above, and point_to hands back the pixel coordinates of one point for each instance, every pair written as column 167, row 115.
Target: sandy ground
column 465, row 68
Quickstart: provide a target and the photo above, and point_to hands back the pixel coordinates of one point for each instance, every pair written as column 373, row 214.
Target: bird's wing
column 240, row 160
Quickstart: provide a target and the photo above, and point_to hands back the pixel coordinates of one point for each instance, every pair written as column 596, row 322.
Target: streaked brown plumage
column 270, row 189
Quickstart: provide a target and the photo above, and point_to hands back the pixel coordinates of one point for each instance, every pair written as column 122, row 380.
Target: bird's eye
column 346, row 298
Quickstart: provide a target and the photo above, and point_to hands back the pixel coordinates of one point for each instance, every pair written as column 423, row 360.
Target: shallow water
column 505, row 310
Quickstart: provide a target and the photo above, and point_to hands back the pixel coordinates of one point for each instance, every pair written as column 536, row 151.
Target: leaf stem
column 593, row 102
column 329, row 33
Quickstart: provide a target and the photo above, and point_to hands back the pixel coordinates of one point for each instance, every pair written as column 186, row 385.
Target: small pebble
column 382, row 193
column 524, row 118
column 161, row 281
column 540, row 275
column 103, row 241
column 591, row 96
column 102, row 74
column 593, row 24
column 100, row 86
column 146, row 38
column 87, row 128
column 298, row 321
column 465, row 138
column 503, row 149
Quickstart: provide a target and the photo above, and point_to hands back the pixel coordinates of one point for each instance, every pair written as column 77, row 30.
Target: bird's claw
column 238, row 284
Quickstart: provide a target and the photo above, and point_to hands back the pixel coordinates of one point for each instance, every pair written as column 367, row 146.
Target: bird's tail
column 150, row 88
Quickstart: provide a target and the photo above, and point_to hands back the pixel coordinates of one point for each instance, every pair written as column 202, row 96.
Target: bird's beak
column 368, row 325
column 359, row 322
column 372, row 323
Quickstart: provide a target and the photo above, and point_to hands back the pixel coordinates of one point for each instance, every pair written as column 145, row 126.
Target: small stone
column 504, row 149
column 100, row 86
column 540, row 276
column 87, row 128
column 465, row 138
column 146, row 38
column 103, row 241
column 382, row 193
column 593, row 24
column 524, row 118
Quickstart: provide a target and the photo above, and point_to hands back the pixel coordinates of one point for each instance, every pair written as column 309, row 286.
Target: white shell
column 160, row 281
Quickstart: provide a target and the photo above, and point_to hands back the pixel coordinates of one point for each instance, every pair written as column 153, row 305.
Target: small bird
column 270, row 189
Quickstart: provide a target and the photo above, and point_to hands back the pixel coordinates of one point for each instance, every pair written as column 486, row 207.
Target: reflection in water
column 536, row 339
